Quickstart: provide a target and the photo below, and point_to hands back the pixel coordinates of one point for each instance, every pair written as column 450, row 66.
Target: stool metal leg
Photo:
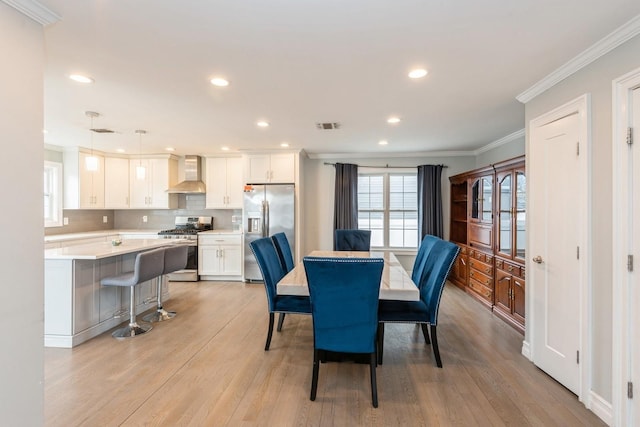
column 160, row 314
column 132, row 329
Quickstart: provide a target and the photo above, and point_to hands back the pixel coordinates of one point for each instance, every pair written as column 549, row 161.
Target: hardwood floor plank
column 208, row 367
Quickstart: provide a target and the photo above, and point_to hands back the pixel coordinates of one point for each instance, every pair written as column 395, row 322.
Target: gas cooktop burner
column 179, row 231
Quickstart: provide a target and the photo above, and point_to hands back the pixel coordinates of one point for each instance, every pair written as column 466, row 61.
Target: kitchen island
column 76, row 306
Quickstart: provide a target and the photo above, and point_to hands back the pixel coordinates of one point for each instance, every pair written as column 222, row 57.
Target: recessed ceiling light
column 393, row 120
column 284, row 145
column 418, row 73
column 80, row 78
column 170, row 149
column 220, row 82
column 383, row 142
column 263, row 124
column 120, row 150
column 225, row 148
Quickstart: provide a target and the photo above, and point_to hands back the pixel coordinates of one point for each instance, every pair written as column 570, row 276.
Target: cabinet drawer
column 481, row 266
column 463, row 249
column 522, row 271
column 480, row 289
column 480, row 277
column 219, row 239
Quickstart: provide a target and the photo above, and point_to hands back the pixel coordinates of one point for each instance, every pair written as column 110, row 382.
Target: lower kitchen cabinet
column 220, row 256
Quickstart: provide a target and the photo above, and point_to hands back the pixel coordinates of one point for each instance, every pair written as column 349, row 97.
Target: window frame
column 53, row 218
column 386, row 193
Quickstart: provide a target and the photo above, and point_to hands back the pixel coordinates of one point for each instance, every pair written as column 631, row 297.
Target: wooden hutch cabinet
column 488, row 223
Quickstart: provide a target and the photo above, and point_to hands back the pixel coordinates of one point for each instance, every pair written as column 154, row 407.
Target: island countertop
column 93, row 251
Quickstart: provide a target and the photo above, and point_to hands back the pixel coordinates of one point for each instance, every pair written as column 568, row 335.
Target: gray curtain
column 346, row 197
column 430, row 220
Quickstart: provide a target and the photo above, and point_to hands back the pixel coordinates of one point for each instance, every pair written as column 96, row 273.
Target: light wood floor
column 208, row 367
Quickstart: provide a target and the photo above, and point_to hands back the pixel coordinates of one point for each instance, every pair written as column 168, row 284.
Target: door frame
column 621, row 227
column 582, row 107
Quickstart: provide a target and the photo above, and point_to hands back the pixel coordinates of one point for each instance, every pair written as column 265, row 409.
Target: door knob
column 537, row 259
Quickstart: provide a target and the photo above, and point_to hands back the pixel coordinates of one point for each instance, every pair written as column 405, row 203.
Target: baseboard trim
column 599, row 406
column 526, row 349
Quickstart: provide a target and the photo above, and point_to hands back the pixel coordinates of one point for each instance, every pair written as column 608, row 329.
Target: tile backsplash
column 157, row 219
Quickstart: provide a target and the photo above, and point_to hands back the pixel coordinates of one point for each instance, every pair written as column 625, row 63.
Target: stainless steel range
column 188, row 227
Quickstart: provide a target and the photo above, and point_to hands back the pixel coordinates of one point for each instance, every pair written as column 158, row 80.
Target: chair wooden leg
column 374, row 385
column 280, row 321
column 380, row 342
column 425, row 332
column 314, row 375
column 436, row 351
column 269, row 333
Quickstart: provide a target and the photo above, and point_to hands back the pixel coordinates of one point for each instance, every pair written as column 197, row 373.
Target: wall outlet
column 144, row 218
column 65, row 221
column 105, row 219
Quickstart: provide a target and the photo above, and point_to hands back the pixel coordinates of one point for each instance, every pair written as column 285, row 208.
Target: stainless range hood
column 192, row 183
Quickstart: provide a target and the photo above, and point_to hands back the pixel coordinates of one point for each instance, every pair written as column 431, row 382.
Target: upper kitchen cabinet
column 224, row 183
column 83, row 179
column 270, row 168
column 116, row 183
column 149, row 190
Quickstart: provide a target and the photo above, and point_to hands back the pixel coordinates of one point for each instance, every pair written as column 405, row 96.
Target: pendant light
column 141, row 171
column 91, row 162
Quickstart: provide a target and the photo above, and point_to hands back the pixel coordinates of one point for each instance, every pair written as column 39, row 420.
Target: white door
column 633, row 311
column 555, row 201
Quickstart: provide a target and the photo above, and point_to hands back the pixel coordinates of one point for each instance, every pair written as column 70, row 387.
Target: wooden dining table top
column 396, row 284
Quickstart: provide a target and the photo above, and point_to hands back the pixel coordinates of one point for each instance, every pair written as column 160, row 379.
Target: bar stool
column 175, row 258
column 148, row 265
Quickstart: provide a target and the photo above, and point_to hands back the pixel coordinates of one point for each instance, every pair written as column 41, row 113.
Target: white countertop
column 221, row 232
column 93, row 251
column 91, row 234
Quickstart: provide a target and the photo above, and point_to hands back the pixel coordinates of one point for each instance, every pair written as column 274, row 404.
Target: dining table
column 395, row 284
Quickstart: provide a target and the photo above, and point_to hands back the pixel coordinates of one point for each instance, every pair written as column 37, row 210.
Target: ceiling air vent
column 328, row 126
column 102, row 130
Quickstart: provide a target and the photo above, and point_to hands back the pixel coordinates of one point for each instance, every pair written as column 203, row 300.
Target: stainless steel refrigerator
column 268, row 209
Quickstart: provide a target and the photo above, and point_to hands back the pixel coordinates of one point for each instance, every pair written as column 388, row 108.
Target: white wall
column 596, row 79
column 513, row 149
column 21, row 123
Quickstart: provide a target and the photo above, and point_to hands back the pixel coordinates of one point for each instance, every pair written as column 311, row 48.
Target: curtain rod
column 386, row 166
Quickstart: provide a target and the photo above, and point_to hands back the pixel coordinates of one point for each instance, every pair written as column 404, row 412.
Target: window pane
column 377, row 238
column 396, row 238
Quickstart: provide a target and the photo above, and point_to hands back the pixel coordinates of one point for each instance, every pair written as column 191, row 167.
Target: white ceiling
column 298, row 62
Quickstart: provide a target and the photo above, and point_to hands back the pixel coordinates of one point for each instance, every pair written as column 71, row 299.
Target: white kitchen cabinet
column 150, row 192
column 220, row 256
column 270, row 168
column 83, row 189
column 224, row 180
column 116, row 183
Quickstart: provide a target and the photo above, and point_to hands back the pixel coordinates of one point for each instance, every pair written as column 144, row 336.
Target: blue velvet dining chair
column 284, row 251
column 344, row 304
column 352, row 240
column 272, row 271
column 428, row 242
column 424, row 312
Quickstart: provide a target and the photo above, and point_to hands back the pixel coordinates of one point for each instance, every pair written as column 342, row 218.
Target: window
column 388, row 206
column 52, row 194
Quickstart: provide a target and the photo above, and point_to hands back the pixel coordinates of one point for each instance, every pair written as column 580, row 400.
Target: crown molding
column 602, row 47
column 399, row 155
column 504, row 140
column 34, row 10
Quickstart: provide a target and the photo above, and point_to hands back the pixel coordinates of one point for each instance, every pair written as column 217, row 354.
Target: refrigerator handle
column 266, row 218
column 263, row 225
